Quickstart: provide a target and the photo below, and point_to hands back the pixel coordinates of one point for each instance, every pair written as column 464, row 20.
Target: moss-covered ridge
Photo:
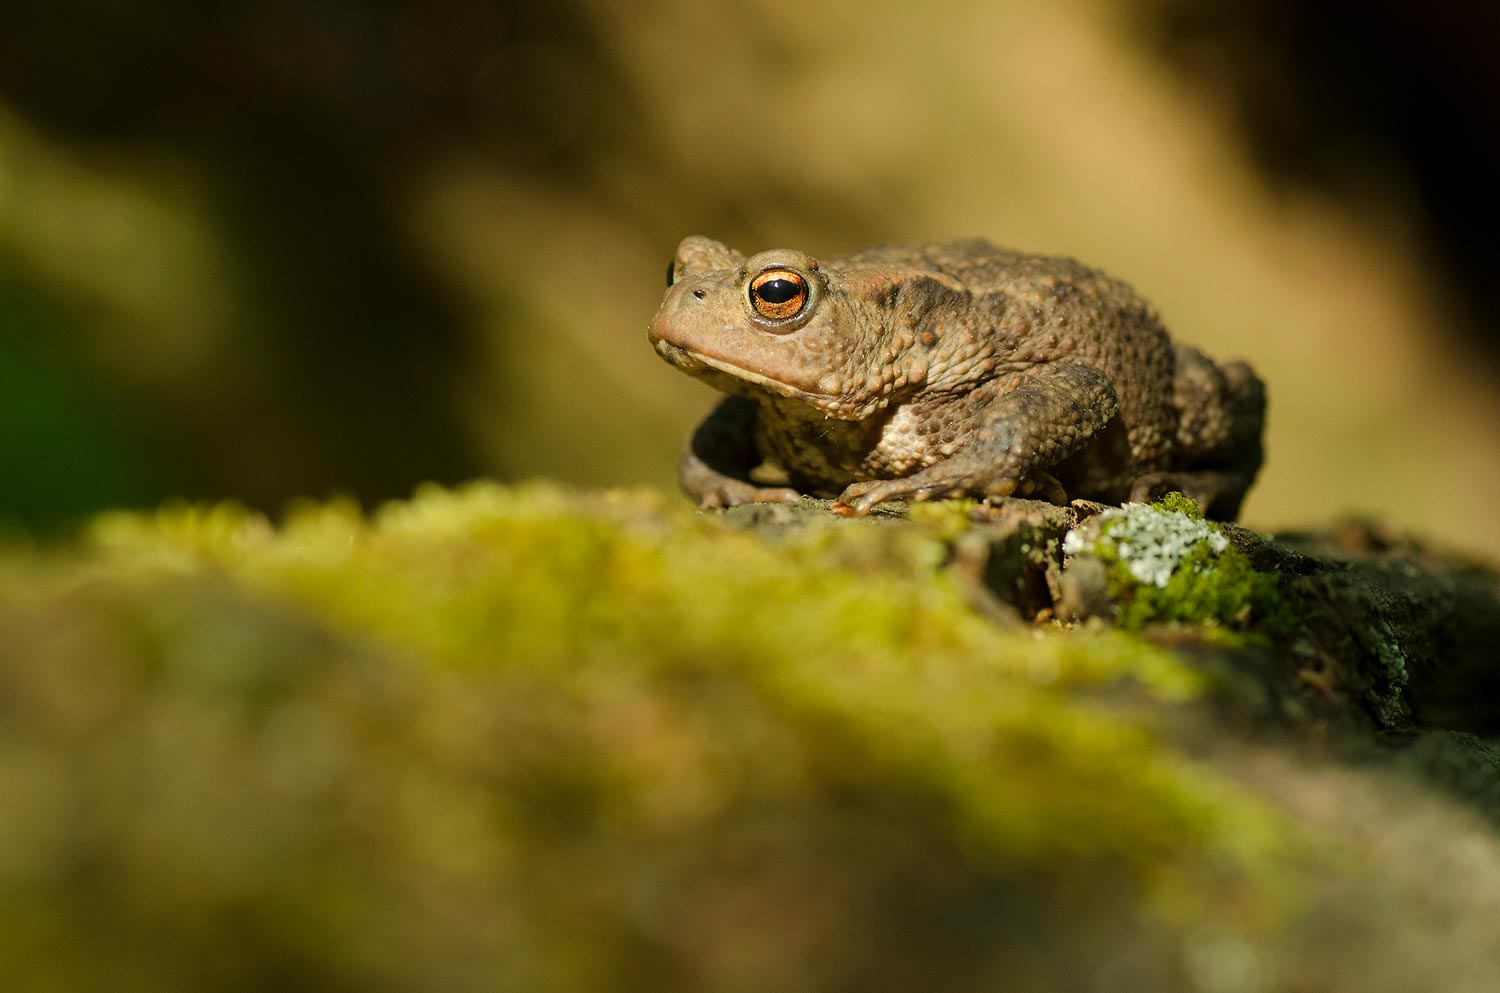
column 521, row 712
column 632, row 592
column 530, row 739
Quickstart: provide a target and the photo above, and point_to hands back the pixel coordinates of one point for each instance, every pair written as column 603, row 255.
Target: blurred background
column 302, row 247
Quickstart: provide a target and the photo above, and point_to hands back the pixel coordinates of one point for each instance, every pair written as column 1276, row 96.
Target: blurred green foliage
column 263, row 249
column 61, row 455
column 235, row 175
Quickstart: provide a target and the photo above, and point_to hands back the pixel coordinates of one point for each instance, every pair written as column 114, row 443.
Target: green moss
column 531, row 739
column 947, row 518
column 1179, row 503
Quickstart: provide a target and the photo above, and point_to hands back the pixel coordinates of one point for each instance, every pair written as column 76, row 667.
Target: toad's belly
column 824, row 455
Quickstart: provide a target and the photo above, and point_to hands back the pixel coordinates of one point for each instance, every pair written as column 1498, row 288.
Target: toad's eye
column 778, row 294
column 671, row 271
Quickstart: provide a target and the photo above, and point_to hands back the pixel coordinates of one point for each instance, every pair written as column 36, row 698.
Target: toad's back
column 1034, row 309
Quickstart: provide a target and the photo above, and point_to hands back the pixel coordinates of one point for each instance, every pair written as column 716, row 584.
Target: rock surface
column 539, row 740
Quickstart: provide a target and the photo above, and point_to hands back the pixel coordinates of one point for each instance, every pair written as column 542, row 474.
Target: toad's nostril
column 699, row 294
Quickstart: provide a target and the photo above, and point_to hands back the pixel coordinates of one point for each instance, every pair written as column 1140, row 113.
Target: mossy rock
column 539, row 740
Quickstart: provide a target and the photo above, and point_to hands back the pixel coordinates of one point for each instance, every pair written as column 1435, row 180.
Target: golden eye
column 778, row 294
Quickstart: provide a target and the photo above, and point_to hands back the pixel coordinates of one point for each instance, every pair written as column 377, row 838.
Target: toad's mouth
column 715, row 370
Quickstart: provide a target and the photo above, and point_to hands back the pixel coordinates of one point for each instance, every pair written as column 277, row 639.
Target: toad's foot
column 858, row 499
column 726, row 492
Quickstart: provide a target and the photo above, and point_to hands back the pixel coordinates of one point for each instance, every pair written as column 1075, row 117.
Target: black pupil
column 777, row 290
column 671, row 270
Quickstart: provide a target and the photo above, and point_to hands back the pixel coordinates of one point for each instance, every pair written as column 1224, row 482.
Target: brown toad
column 948, row 369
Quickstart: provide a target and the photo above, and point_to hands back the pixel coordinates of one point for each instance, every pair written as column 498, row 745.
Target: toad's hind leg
column 1217, row 450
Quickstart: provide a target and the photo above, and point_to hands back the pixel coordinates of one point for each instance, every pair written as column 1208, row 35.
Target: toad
column 944, row 370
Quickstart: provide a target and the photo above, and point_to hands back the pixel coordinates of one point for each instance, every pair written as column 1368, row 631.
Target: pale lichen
column 1163, row 562
column 1151, row 544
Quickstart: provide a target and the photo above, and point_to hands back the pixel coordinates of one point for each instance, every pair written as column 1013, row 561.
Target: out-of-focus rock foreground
column 547, row 740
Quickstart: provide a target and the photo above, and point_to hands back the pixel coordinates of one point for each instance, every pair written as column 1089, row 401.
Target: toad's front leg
column 715, row 464
column 1050, row 415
